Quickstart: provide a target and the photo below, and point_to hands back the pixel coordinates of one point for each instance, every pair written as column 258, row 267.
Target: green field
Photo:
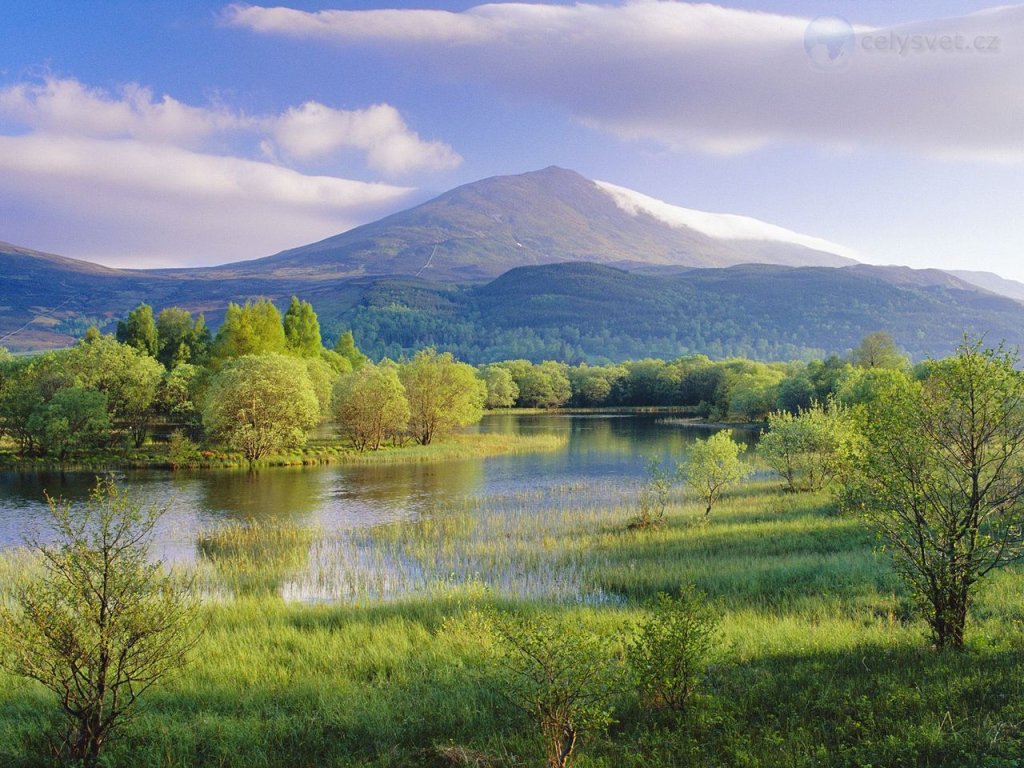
column 820, row 663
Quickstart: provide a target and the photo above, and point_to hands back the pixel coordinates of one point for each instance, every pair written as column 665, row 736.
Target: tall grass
column 368, row 662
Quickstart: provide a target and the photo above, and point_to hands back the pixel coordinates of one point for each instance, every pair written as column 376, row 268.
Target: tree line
column 260, row 385
column 264, row 381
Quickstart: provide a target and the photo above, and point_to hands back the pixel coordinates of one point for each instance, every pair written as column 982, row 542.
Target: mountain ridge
column 444, row 263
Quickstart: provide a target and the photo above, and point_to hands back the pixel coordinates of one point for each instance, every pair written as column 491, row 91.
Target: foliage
column 712, row 466
column 182, row 339
column 302, row 329
column 254, row 329
column 942, row 480
column 672, row 647
column 75, row 418
column 545, row 385
column 562, row 676
column 259, row 404
column 139, row 330
column 443, row 394
column 346, row 347
column 878, row 350
column 181, row 451
column 101, row 625
column 370, row 406
column 808, row 449
column 323, row 377
column 129, row 378
column 180, row 395
column 652, row 498
column 502, row 391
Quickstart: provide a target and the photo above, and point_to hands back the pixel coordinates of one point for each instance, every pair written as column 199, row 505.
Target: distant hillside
column 591, row 312
column 483, row 229
column 472, row 271
column 991, row 282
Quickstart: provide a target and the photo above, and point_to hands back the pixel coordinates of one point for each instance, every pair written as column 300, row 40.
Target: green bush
column 672, row 647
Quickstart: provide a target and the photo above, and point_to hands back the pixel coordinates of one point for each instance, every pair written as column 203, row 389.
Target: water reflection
column 338, row 532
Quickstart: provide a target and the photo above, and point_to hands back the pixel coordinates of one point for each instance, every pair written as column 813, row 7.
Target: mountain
column 579, row 311
column 543, row 265
column 483, row 229
column 991, row 282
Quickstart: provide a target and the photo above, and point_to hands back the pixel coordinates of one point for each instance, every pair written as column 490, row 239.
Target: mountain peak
column 482, row 229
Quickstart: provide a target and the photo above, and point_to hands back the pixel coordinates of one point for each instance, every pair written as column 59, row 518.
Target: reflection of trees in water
column 30, row 486
column 286, row 494
column 255, row 557
column 391, row 483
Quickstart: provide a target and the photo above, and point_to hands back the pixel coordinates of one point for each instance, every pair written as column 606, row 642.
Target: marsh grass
column 822, row 661
column 317, row 452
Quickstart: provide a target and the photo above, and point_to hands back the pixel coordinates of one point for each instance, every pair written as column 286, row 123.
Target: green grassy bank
column 316, row 452
column 820, row 661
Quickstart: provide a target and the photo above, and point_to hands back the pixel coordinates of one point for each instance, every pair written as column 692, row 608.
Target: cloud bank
column 722, row 226
column 141, row 180
column 713, row 79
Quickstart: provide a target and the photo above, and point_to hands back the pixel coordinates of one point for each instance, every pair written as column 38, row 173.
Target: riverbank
column 819, row 660
column 315, row 453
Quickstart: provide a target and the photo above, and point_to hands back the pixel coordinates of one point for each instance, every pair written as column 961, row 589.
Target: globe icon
column 829, row 42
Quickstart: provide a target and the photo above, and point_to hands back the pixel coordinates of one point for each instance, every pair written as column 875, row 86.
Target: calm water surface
column 604, row 458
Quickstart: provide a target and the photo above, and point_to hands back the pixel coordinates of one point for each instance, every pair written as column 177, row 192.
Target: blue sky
column 159, row 134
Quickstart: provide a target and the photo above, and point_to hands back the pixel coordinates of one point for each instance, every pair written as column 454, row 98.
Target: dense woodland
column 265, row 381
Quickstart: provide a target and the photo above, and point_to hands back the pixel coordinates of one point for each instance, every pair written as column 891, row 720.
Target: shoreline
column 454, row 448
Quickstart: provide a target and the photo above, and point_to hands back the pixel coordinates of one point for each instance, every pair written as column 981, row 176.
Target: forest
column 165, row 381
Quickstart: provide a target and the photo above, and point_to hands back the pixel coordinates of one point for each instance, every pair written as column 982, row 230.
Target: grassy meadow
column 820, row 661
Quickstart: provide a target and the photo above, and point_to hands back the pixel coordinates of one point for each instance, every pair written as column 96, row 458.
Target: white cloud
column 715, row 79
column 130, row 203
column 311, row 131
column 127, row 178
column 722, row 226
column 314, row 130
column 66, row 106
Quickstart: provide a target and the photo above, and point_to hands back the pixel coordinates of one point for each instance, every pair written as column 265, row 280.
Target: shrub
column 672, row 648
column 562, row 675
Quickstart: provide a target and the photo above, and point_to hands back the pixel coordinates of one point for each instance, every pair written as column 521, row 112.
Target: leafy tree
column 74, row 418
column 323, row 378
column 811, row 447
column 302, row 329
column 754, row 392
column 139, row 330
column 129, row 378
column 443, row 394
column 595, row 385
column 341, row 366
column 346, row 347
column 878, row 350
column 181, row 451
column 100, row 624
column 258, row 404
column 543, row 386
column 866, row 386
column 563, row 676
column 712, row 466
column 502, row 391
column 795, row 392
column 254, row 329
column 28, row 385
column 370, row 406
column 180, row 395
column 672, row 647
column 181, row 340
column 942, row 480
